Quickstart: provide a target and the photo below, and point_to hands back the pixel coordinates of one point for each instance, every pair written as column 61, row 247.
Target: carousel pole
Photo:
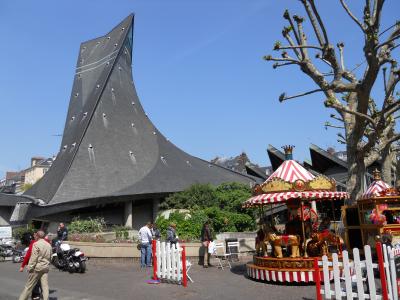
column 334, row 217
column 334, row 224
column 302, row 225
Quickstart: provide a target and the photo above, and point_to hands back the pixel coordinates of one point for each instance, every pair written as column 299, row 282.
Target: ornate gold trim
column 277, row 185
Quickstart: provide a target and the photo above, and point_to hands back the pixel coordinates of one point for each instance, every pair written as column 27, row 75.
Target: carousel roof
column 375, row 189
column 293, row 181
column 378, row 188
column 273, row 198
column 290, row 171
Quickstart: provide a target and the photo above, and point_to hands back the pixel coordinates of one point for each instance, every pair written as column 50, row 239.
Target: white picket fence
column 358, row 280
column 169, row 262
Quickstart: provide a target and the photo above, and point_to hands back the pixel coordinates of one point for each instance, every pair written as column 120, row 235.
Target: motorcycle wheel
column 55, row 262
column 82, row 266
column 16, row 259
column 70, row 268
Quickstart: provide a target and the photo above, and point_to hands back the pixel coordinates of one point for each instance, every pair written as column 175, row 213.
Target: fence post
column 317, row 279
column 154, row 252
column 385, row 295
column 184, row 279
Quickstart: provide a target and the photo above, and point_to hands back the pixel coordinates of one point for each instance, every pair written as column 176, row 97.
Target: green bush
column 196, row 196
column 87, row 226
column 188, row 227
column 222, row 205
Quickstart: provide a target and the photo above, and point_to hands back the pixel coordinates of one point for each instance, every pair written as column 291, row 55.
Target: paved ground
column 106, row 281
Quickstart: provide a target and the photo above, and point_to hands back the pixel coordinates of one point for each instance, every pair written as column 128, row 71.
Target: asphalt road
column 117, row 281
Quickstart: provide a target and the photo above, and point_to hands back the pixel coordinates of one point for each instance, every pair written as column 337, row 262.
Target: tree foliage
column 222, row 205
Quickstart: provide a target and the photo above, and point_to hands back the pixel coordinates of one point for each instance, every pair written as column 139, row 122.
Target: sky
column 197, row 68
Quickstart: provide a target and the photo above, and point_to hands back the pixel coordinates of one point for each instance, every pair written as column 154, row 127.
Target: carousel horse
column 316, row 247
column 277, row 241
column 321, row 242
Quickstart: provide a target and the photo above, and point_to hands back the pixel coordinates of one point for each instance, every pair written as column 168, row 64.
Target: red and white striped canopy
column 273, row 198
column 375, row 189
column 290, row 171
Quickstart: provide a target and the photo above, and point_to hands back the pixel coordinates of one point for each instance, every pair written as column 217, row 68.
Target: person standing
column 62, row 232
column 36, row 289
column 206, row 238
column 155, row 232
column 171, row 234
column 145, row 238
column 38, row 267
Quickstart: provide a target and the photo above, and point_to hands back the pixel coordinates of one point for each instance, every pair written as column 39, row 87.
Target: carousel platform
column 272, row 269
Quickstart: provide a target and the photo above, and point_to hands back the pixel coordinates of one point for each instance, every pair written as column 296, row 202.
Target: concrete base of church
column 132, row 214
column 128, row 214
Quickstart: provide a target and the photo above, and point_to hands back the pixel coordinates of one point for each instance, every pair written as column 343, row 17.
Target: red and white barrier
column 169, row 262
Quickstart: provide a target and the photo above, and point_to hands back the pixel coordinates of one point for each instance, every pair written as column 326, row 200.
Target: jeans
column 145, row 252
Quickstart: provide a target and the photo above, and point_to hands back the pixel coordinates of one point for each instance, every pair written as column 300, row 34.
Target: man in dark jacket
column 206, row 238
column 171, row 234
column 62, row 232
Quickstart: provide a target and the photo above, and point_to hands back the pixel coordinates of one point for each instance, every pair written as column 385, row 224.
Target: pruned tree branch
column 346, row 8
column 340, row 107
column 333, row 116
column 298, row 47
column 313, row 21
column 283, row 96
column 283, row 59
column 327, row 124
column 340, row 47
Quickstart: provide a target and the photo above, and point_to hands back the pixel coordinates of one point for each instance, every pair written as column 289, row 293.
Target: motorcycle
column 6, row 251
column 19, row 255
column 68, row 259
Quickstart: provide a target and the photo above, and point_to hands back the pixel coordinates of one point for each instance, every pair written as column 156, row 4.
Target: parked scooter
column 67, row 259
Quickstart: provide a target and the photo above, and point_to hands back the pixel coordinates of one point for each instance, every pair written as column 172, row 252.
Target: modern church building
column 113, row 162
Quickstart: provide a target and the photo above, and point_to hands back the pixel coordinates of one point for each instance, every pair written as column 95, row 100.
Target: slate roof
column 110, row 147
column 11, row 199
column 276, row 157
column 322, row 160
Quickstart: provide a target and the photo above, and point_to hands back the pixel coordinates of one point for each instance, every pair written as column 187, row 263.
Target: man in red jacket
column 36, row 289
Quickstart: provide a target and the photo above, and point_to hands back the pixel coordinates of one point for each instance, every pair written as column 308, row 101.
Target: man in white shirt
column 145, row 238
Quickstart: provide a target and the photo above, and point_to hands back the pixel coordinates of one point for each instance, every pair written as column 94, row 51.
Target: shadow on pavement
column 239, row 269
column 52, row 292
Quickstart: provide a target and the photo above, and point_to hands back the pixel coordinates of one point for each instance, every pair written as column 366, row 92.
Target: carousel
column 375, row 216
column 287, row 255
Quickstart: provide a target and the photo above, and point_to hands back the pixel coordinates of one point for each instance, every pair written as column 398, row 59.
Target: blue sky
column 197, row 68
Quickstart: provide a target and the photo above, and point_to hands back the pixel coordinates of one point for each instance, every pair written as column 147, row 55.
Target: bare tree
column 368, row 129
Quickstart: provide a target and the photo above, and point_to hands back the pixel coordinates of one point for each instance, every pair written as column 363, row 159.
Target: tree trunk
column 356, row 173
column 386, row 163
column 397, row 173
